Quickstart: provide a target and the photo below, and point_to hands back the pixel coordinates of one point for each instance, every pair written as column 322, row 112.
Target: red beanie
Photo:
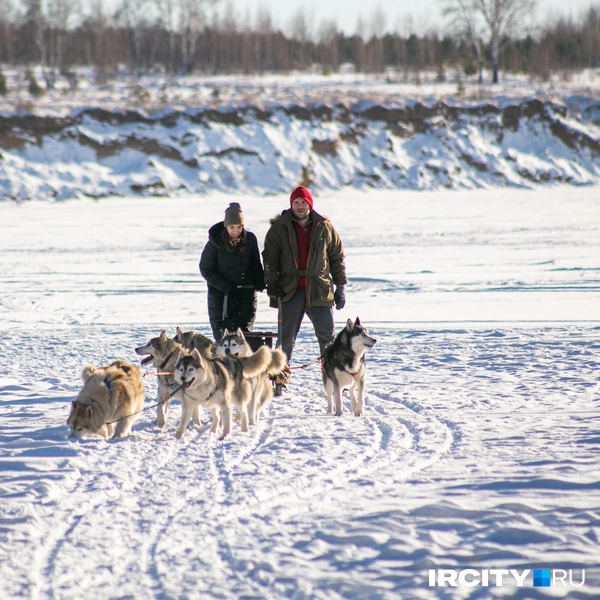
column 302, row 192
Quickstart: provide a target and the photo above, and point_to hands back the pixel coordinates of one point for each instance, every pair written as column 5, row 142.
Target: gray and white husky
column 217, row 385
column 191, row 339
column 234, row 344
column 343, row 366
column 163, row 353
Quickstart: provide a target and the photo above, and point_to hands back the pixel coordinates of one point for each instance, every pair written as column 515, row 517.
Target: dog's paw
column 359, row 413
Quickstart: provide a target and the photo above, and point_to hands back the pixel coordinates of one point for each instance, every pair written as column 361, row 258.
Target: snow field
column 479, row 445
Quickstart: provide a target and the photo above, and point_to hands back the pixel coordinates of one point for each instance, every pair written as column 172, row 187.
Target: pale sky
column 401, row 15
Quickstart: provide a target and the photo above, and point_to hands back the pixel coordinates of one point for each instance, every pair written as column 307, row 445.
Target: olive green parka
column 326, row 264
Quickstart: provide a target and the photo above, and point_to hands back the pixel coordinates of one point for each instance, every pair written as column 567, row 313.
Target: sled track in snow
column 385, row 404
column 167, row 539
column 393, row 438
column 198, row 533
column 106, row 510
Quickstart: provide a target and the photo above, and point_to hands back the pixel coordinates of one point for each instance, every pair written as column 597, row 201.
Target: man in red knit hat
column 303, row 259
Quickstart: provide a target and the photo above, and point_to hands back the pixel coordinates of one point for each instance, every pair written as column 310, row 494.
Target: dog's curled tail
column 88, row 371
column 256, row 363
column 278, row 362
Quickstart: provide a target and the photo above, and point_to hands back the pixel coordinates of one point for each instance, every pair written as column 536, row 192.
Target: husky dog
column 164, row 352
column 234, row 344
column 112, row 393
column 190, row 340
column 343, row 367
column 218, row 384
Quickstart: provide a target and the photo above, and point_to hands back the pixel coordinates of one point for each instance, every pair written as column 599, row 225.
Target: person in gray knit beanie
column 231, row 265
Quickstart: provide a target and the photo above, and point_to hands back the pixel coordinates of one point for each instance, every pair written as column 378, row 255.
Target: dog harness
column 166, row 361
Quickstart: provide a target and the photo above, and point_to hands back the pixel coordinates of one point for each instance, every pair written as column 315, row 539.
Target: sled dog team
column 304, row 274
column 215, row 376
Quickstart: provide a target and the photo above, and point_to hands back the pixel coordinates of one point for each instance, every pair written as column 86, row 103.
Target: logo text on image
column 501, row 577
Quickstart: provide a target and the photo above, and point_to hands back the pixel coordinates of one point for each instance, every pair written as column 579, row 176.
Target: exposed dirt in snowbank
column 418, row 145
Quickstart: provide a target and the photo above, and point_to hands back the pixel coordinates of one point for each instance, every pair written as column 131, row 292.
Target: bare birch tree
column 168, row 15
column 35, row 21
column 301, row 27
column 328, row 42
column 192, row 20
column 133, row 13
column 463, row 21
column 265, row 32
column 375, row 57
column 6, row 16
column 359, row 46
column 96, row 43
column 496, row 19
column 57, row 21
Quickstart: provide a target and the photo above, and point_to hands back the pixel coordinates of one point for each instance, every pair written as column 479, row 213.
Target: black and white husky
column 343, row 366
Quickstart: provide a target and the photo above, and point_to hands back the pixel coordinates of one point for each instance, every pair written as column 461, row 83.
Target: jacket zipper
column 313, row 236
column 292, row 247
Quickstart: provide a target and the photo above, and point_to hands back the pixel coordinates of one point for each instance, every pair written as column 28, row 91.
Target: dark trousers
column 241, row 311
column 292, row 314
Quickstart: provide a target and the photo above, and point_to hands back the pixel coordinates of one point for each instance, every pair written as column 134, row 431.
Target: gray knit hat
column 233, row 215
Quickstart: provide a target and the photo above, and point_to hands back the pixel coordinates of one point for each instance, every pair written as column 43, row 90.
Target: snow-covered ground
column 479, row 447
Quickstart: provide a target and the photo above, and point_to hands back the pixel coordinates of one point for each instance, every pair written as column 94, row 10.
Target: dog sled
column 256, row 339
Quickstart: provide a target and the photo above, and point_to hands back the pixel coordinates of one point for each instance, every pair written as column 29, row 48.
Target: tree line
column 182, row 36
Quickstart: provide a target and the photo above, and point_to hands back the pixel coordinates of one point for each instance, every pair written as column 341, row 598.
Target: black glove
column 272, row 289
column 339, row 297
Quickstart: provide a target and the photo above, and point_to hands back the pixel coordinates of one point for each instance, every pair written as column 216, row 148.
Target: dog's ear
column 227, row 332
column 349, row 325
column 357, row 322
column 87, row 372
column 240, row 333
column 179, row 333
column 163, row 336
column 196, row 355
column 89, row 413
column 125, row 368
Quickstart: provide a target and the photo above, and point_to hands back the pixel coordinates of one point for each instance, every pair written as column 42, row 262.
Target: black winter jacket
column 225, row 269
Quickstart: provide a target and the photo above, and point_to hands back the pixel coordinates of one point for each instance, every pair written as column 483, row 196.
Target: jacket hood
column 215, row 235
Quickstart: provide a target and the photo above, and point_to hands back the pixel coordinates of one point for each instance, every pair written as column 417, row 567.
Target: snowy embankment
column 479, row 446
column 411, row 145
